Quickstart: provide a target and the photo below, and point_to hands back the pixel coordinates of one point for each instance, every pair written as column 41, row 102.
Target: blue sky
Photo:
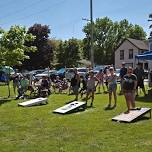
column 65, row 16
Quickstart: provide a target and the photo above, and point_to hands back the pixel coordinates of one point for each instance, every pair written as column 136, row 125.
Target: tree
column 107, row 36
column 44, row 55
column 69, row 53
column 13, row 48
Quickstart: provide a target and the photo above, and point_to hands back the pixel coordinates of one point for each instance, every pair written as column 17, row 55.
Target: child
column 91, row 86
column 100, row 76
column 112, row 85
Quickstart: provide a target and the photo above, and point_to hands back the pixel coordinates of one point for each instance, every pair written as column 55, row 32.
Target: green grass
column 37, row 129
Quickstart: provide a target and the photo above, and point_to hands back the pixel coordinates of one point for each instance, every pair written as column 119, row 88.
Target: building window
column 121, row 54
column 130, row 53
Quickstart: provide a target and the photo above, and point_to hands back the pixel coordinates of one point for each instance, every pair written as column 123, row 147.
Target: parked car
column 51, row 73
column 82, row 71
column 35, row 72
column 96, row 69
column 61, row 73
column 70, row 72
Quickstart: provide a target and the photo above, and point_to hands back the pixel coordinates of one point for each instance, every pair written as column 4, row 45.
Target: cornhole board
column 132, row 115
column 33, row 102
column 71, row 107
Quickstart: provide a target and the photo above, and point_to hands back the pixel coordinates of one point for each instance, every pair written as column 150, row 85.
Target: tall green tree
column 69, row 52
column 13, row 48
column 107, row 36
column 43, row 57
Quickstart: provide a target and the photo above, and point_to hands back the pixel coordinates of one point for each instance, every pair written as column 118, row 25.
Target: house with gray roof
column 127, row 51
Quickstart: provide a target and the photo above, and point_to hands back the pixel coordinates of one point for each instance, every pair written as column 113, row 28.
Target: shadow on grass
column 5, row 100
column 141, row 119
column 144, row 99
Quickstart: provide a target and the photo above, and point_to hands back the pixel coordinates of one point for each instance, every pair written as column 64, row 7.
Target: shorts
column 89, row 90
column 140, row 83
column 75, row 89
column 112, row 87
column 106, row 83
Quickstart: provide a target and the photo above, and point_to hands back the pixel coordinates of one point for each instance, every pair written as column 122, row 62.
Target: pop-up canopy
column 144, row 56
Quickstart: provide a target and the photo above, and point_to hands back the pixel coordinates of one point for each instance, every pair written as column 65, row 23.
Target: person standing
column 100, row 76
column 112, row 86
column 75, row 84
column 123, row 71
column 129, row 87
column 91, row 87
column 139, row 72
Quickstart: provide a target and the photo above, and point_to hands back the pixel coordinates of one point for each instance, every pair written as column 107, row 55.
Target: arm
column 97, row 81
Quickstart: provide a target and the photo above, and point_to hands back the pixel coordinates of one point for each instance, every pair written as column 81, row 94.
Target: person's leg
column 103, row 86
column 121, row 85
column 14, row 88
column 76, row 92
column 99, row 87
column 143, row 87
column 92, row 98
column 115, row 97
column 137, row 88
column 127, row 102
column 132, row 99
column 110, row 97
column 87, row 95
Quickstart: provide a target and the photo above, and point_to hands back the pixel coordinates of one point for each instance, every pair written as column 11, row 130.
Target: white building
column 127, row 51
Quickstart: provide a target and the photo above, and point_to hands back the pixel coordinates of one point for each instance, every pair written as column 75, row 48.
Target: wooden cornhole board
column 33, row 102
column 132, row 115
column 73, row 106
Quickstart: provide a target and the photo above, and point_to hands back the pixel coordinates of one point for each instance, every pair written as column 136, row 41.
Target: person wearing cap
column 112, row 86
column 123, row 71
column 91, row 86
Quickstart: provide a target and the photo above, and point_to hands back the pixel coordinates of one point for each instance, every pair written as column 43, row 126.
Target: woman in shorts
column 129, row 88
column 100, row 76
column 112, row 87
column 91, row 87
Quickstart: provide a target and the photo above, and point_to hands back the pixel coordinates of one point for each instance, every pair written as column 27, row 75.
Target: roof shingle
column 140, row 44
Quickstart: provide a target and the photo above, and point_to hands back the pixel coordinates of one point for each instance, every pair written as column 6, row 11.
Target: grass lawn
column 37, row 129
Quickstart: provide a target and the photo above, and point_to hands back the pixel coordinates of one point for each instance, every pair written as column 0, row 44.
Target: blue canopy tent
column 144, row 56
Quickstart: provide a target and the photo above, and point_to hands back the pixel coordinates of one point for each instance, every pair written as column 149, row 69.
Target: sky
column 64, row 17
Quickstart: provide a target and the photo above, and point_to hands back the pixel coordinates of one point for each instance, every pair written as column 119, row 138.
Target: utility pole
column 91, row 20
